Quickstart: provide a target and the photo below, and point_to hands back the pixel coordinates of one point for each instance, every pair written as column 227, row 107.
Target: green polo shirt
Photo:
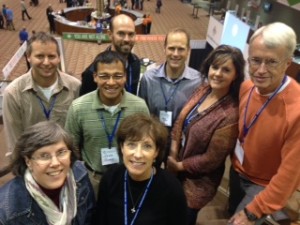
column 85, row 124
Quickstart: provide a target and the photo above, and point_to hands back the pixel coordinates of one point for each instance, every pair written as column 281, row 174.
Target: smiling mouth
column 217, row 81
column 260, row 78
column 137, row 163
column 111, row 90
column 55, row 173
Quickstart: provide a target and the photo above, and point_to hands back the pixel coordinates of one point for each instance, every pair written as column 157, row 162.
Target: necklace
column 133, row 209
column 144, row 194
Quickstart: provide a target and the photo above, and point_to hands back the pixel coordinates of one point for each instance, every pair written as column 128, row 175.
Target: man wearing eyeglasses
column 94, row 118
column 123, row 39
column 265, row 165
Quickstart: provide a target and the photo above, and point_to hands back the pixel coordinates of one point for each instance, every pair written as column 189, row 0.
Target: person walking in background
column 50, row 186
column 1, row 21
column 141, row 5
column 23, row 36
column 137, row 192
column 206, row 130
column 118, row 9
column 51, row 19
column 94, row 118
column 44, row 93
column 132, row 4
column 158, row 6
column 137, row 4
column 4, row 15
column 268, row 131
column 9, row 19
column 145, row 23
column 149, row 24
column 24, row 10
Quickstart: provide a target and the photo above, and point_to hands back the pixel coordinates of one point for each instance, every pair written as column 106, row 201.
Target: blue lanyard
column 129, row 86
column 46, row 111
column 191, row 115
column 126, row 198
column 167, row 100
column 254, row 119
column 110, row 137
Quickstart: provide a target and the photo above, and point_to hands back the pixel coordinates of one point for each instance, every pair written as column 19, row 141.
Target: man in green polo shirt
column 93, row 119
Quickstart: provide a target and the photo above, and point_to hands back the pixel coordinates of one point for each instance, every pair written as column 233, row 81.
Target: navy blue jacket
column 17, row 207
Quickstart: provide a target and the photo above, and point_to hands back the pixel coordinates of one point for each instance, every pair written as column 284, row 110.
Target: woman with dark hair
column 206, row 129
column 137, row 192
column 50, row 186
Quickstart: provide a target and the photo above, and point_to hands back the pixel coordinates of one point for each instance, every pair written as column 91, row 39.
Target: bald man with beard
column 123, row 39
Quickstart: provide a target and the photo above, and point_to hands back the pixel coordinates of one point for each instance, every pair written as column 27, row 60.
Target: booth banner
column 14, row 60
column 214, row 32
column 150, row 37
column 86, row 37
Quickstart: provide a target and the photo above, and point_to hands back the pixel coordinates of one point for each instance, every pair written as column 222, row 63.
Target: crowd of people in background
column 118, row 148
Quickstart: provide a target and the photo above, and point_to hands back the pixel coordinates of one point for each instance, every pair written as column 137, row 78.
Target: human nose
column 262, row 67
column 46, row 60
column 111, row 80
column 218, row 72
column 54, row 161
column 176, row 52
column 138, row 152
column 126, row 37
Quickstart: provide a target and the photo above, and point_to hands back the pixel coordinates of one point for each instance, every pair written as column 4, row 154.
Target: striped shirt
column 85, row 124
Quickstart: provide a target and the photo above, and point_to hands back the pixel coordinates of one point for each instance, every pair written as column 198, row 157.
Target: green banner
column 86, row 37
column 293, row 2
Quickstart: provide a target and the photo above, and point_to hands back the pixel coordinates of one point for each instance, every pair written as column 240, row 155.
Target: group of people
column 8, row 18
column 180, row 119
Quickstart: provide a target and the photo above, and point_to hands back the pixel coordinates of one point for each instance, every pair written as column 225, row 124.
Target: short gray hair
column 277, row 34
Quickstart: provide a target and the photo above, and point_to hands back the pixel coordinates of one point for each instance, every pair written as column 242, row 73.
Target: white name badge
column 239, row 152
column 109, row 156
column 166, row 118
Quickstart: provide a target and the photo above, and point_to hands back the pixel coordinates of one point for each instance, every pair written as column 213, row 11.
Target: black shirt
column 164, row 204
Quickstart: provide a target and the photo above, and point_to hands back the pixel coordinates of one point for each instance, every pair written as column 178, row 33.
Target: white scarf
column 67, row 200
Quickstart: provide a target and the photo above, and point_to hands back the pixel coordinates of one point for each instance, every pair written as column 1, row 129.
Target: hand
column 173, row 165
column 240, row 218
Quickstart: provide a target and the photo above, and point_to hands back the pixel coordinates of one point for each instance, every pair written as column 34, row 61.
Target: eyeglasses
column 105, row 77
column 46, row 158
column 269, row 63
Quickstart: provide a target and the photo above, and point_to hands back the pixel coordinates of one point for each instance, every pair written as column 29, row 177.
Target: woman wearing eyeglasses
column 207, row 128
column 137, row 193
column 50, row 186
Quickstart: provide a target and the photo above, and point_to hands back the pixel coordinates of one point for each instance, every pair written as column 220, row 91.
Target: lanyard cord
column 254, row 119
column 191, row 115
column 129, row 84
column 167, row 100
column 46, row 111
column 126, row 198
column 111, row 136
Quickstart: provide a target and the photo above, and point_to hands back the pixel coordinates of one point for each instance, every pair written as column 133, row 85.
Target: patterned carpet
column 79, row 55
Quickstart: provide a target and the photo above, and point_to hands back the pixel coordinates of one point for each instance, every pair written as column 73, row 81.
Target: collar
column 31, row 85
column 162, row 74
column 97, row 104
